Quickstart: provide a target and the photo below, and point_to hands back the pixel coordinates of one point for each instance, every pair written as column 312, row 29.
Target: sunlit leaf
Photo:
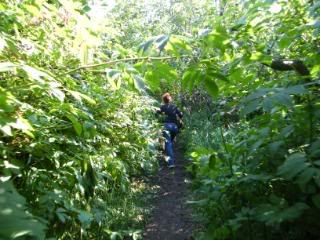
column 75, row 123
column 7, row 66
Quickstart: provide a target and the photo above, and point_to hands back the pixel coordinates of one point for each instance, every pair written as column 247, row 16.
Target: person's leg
column 171, row 129
column 169, row 151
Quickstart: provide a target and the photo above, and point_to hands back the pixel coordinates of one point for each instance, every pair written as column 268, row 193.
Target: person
column 171, row 123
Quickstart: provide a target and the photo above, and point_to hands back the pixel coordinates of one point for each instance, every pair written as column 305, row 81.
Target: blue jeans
column 171, row 130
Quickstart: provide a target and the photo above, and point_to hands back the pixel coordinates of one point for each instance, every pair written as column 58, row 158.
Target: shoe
column 171, row 166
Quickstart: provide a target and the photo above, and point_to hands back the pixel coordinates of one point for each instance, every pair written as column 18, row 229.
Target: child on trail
column 171, row 123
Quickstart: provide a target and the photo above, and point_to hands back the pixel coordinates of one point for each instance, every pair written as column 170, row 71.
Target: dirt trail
column 171, row 217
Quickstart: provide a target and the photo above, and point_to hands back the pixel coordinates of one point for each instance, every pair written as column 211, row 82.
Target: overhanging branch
column 120, row 60
column 288, row 65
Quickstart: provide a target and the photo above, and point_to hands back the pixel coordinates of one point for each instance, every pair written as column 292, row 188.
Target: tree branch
column 288, row 65
column 119, row 60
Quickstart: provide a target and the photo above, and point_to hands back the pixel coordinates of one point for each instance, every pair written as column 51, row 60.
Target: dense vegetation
column 77, row 131
column 72, row 145
column 255, row 148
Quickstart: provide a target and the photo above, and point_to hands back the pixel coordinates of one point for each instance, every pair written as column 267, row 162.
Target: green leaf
column 316, row 200
column 287, row 131
column 276, row 214
column 296, row 90
column 251, row 107
column 211, row 86
column 239, row 23
column 23, row 125
column 146, row 45
column 218, row 40
column 85, row 218
column 285, row 42
column 212, row 161
column 161, row 42
column 57, row 93
column 75, row 123
column 274, row 147
column 79, row 96
column 15, row 222
column 282, row 99
column 191, row 77
column 177, row 45
column 258, row 56
column 7, row 66
column 139, row 83
column 3, row 44
column 33, row 10
column 216, row 75
column 293, row 165
column 306, row 176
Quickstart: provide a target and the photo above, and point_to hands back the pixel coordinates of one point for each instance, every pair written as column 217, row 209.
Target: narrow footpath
column 171, row 217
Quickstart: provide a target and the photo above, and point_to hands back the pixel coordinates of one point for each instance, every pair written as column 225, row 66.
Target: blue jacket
column 171, row 112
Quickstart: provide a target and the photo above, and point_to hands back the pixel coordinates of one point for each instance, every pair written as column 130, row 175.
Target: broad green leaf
column 293, row 165
column 259, row 93
column 85, row 217
column 211, row 86
column 15, row 221
column 314, row 71
column 153, row 80
column 33, row 10
column 239, row 23
column 146, row 45
column 306, row 175
column 275, row 146
column 217, row 75
column 316, row 200
column 296, row 90
column 75, row 123
column 79, row 96
column 218, row 40
column 212, row 161
column 6, row 129
column 177, row 45
column 204, row 32
column 258, row 56
column 282, row 99
column 275, row 214
column 250, row 107
column 161, row 42
column 285, row 42
column 57, row 93
column 191, row 77
column 139, row 83
column 7, row 66
column 236, row 75
column 3, row 44
column 287, row 131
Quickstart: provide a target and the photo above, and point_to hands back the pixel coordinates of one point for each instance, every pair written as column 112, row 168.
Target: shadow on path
column 171, row 217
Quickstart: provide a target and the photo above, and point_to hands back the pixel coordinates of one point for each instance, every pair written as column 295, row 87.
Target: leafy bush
column 254, row 148
column 73, row 145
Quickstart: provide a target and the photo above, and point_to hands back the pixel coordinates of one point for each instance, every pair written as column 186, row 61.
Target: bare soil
column 171, row 217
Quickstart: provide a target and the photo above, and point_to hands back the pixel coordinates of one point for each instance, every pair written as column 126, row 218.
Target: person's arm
column 179, row 113
column 160, row 110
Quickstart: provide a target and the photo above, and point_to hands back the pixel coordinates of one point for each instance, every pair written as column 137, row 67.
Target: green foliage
column 76, row 128
column 253, row 157
column 74, row 147
column 15, row 221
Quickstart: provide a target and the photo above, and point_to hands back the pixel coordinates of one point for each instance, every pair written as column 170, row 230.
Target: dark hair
column 166, row 97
